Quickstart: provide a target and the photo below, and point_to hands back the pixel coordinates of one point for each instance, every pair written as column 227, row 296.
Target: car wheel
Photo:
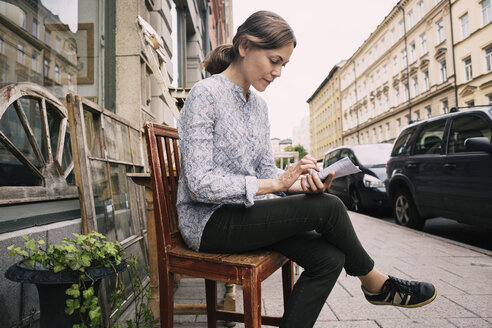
column 406, row 213
column 355, row 202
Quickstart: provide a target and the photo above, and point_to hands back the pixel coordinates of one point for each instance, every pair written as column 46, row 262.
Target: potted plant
column 67, row 276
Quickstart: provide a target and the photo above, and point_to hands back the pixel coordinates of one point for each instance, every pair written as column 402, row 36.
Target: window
column 444, row 106
column 468, row 69
column 2, row 45
column 380, row 137
column 415, row 86
column 387, row 131
column 70, row 82
column 398, row 125
column 46, row 67
column 57, row 73
column 395, row 65
column 20, row 53
column 426, row 80
column 47, row 37
column 402, row 144
column 35, row 28
column 413, row 52
column 397, row 96
column 406, row 96
column 410, row 19
column 417, row 115
column 403, row 59
column 470, row 103
column 440, row 31
column 393, row 35
column 402, row 28
column 421, row 9
column 490, row 99
column 465, row 127
column 387, row 100
column 22, row 19
column 423, row 43
column 442, row 70
column 57, row 44
column 488, row 58
column 486, row 12
column 34, row 61
column 465, row 29
column 428, row 111
column 385, row 73
column 383, row 49
column 429, row 140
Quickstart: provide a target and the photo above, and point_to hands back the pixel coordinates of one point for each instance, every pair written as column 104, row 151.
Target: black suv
column 442, row 166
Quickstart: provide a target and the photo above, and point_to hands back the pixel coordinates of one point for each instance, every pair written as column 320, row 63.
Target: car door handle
column 411, row 166
column 450, row 165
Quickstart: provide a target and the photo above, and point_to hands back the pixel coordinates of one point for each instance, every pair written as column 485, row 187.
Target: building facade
column 325, row 114
column 472, row 31
column 404, row 71
column 90, row 48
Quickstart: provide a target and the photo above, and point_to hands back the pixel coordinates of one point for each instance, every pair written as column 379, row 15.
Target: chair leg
column 287, row 280
column 211, row 295
column 252, row 301
column 166, row 296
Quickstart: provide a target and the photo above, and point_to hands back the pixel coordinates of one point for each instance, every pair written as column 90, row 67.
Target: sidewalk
column 461, row 273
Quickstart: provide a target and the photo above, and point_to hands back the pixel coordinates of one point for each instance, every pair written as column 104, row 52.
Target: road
column 453, row 230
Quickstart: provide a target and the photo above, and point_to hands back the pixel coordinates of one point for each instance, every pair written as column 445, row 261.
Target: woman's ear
column 243, row 46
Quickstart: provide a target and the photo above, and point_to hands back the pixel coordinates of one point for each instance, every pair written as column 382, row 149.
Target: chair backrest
column 163, row 154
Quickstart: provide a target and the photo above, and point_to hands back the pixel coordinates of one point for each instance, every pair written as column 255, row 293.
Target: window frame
column 440, row 31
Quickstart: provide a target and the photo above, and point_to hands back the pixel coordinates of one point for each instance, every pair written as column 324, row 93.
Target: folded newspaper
column 341, row 168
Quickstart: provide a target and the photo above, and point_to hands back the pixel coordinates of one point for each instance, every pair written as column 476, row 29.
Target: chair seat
column 223, row 267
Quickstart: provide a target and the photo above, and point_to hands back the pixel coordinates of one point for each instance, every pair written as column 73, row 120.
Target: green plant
column 77, row 255
column 142, row 294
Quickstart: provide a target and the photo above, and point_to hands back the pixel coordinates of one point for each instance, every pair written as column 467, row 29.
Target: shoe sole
column 410, row 306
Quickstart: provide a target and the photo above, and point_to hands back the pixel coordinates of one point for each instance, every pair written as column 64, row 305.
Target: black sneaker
column 404, row 293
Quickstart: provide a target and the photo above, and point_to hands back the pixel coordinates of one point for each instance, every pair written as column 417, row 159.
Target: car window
column 331, row 158
column 401, row 146
column 429, row 140
column 465, row 127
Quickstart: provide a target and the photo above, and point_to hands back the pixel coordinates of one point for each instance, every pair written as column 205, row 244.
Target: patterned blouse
column 225, row 147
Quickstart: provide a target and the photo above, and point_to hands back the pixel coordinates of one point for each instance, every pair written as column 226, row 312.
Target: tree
column 298, row 148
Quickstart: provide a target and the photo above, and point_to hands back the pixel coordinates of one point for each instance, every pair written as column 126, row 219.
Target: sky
column 327, row 31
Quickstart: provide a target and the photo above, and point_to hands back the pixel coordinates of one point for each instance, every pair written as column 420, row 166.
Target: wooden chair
column 174, row 257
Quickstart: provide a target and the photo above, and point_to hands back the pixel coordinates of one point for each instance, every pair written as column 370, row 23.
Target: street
column 450, row 229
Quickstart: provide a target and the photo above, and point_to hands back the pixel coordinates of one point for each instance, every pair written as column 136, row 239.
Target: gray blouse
column 225, row 147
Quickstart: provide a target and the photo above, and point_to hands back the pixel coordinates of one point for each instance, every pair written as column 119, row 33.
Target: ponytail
column 219, row 59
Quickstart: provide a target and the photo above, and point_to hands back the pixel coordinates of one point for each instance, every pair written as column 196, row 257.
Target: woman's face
column 260, row 67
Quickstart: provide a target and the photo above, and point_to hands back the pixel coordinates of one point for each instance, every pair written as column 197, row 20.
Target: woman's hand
column 305, row 165
column 316, row 186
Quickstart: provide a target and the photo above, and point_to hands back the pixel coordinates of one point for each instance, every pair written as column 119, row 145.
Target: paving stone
column 480, row 305
column 357, row 308
column 346, row 324
column 470, row 322
column 414, row 323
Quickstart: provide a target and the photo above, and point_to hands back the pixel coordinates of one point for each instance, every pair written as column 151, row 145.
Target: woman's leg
column 270, row 221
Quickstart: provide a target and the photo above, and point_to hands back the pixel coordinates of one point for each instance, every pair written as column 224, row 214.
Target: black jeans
column 312, row 230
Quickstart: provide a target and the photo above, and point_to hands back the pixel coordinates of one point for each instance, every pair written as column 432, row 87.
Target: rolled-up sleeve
column 204, row 181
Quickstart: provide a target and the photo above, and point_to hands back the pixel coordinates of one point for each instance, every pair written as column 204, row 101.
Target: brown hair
column 263, row 29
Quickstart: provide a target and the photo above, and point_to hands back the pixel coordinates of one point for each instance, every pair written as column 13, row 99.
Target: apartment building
column 404, row 71
column 325, row 115
column 472, row 31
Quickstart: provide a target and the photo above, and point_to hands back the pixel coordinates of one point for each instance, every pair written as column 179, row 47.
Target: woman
column 227, row 165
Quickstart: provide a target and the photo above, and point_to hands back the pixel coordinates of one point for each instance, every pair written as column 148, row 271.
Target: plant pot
column 51, row 289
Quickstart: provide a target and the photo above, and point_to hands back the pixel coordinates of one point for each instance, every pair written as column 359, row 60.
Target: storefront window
column 70, row 48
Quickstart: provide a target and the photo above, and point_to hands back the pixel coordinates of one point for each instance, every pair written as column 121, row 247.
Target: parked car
column 442, row 166
column 363, row 190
